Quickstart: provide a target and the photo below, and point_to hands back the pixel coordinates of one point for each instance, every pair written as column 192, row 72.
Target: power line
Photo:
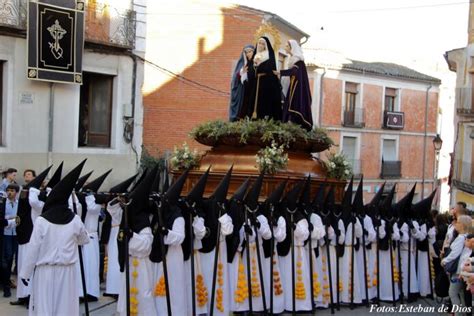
column 187, row 81
column 401, row 8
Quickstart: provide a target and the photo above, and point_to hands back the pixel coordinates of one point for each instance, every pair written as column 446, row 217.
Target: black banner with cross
column 55, row 41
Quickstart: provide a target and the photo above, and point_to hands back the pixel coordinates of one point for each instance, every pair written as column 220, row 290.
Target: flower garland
column 201, row 289
column 272, row 159
column 220, row 283
column 160, row 287
column 300, row 291
column 326, row 294
column 256, row 290
column 241, row 293
column 277, row 287
column 134, row 289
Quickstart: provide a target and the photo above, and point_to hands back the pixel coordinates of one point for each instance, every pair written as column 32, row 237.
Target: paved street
column 107, row 306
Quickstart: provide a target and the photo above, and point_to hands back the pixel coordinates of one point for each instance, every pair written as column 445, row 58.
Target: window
column 349, row 149
column 389, row 149
column 390, row 99
column 391, row 167
column 353, row 115
column 1, row 102
column 351, row 95
column 95, row 110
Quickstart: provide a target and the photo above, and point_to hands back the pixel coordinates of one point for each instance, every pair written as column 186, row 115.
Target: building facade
column 382, row 117
column 461, row 61
column 43, row 123
column 191, row 57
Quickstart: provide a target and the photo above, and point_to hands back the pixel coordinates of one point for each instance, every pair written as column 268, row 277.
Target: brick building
column 202, row 44
column 383, row 116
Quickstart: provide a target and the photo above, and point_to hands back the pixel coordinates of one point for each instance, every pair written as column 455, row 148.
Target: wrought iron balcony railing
column 110, row 26
column 464, row 101
column 104, row 24
column 13, row 14
column 391, row 169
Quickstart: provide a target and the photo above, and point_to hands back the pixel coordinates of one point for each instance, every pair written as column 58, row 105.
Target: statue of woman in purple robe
column 297, row 106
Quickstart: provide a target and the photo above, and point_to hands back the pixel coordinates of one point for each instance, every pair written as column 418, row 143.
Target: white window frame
column 398, row 98
column 357, row 136
column 114, row 126
column 359, row 98
column 396, row 138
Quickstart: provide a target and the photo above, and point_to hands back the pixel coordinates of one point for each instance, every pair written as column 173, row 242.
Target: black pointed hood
column 95, row 184
column 174, row 192
column 155, row 187
column 305, row 198
column 38, row 180
column 291, row 198
column 358, row 204
column 422, row 209
column 196, row 193
column 276, row 195
column 251, row 199
column 372, row 209
column 140, row 179
column 166, row 183
column 81, row 181
column 56, row 208
column 139, row 195
column 220, row 193
column 122, row 187
column 386, row 206
column 318, row 201
column 346, row 205
column 56, row 176
column 403, row 206
column 239, row 194
column 330, row 201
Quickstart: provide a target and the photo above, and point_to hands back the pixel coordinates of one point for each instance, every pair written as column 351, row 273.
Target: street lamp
column 437, row 143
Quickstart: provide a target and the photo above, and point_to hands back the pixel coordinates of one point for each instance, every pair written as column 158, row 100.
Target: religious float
column 283, row 151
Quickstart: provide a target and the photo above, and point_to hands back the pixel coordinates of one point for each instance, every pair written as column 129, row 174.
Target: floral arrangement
column 338, row 167
column 261, row 133
column 184, row 158
column 271, row 159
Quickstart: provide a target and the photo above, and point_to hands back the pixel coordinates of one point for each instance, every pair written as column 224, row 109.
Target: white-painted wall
column 25, row 126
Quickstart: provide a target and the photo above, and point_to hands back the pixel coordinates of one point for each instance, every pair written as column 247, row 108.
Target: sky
column 402, row 31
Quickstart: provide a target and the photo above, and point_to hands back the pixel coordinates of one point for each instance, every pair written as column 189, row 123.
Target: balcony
column 354, row 118
column 104, row 24
column 109, row 26
column 391, row 169
column 464, row 171
column 13, row 14
column 393, row 120
column 464, row 104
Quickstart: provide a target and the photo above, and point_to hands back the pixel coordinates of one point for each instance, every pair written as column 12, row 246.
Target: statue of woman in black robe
column 239, row 89
column 265, row 100
column 297, row 105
